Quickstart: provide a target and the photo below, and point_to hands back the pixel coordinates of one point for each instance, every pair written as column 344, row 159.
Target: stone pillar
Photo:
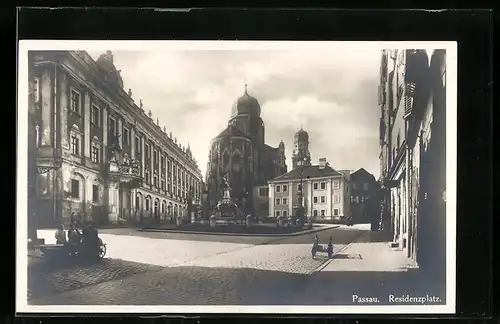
column 87, row 121
column 143, row 158
column 46, row 90
column 249, row 221
column 290, row 198
column 132, row 143
column 120, row 129
column 63, row 109
column 271, row 200
column 152, row 150
column 104, row 135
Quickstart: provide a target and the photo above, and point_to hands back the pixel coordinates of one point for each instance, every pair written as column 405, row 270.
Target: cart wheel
column 102, row 251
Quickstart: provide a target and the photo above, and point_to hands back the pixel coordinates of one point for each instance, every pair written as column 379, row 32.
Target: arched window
column 163, row 204
column 148, row 203
column 157, row 203
column 138, row 201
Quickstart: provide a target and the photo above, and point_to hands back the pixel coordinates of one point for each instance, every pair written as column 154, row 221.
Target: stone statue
column 225, row 182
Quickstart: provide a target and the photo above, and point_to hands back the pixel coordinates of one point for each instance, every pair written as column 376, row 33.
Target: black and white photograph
column 236, row 177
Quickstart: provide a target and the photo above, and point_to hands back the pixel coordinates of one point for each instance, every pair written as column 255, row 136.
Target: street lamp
column 300, row 208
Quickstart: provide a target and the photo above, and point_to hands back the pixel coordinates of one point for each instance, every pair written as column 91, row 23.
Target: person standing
column 60, row 235
column 72, row 219
column 329, row 249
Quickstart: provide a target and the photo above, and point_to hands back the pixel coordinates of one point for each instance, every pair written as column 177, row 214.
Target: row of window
column 75, row 191
column 283, row 201
column 322, row 199
column 170, row 209
column 316, row 186
column 283, row 213
column 322, row 213
column 75, row 146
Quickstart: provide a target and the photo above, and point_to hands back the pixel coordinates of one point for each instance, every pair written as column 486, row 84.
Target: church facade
column 240, row 153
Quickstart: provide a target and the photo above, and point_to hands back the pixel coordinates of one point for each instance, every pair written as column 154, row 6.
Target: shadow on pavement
column 46, row 278
column 248, row 286
column 339, row 236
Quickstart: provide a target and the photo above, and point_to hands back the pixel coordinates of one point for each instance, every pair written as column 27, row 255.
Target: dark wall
column 365, row 204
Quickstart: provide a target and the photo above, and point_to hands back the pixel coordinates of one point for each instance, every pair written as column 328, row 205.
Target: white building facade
column 325, row 192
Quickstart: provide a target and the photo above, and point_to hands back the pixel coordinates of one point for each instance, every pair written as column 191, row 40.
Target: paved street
column 158, row 268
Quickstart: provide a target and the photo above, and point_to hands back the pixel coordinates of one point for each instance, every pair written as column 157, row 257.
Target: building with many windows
column 325, row 191
column 97, row 152
column 413, row 153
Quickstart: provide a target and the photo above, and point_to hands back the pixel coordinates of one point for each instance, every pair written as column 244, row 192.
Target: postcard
column 236, row 177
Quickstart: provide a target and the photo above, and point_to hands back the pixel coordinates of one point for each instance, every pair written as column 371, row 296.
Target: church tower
column 301, row 154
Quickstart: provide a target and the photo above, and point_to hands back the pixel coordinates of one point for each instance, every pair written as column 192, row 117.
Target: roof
column 312, row 171
column 362, row 173
column 231, row 131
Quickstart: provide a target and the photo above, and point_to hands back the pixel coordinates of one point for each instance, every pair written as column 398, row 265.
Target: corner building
column 97, row 152
column 239, row 153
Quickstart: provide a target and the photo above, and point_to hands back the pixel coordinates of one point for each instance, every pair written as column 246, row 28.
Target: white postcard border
column 22, row 203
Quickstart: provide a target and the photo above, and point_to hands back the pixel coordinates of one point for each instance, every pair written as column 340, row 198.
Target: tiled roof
column 312, row 171
column 231, row 131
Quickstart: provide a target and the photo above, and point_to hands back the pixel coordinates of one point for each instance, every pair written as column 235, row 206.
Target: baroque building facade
column 240, row 154
column 413, row 154
column 96, row 151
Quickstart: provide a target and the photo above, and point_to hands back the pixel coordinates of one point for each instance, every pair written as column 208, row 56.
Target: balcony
column 48, row 159
column 127, row 174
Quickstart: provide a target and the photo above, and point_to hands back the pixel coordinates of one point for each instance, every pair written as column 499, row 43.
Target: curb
column 238, row 234
column 345, row 247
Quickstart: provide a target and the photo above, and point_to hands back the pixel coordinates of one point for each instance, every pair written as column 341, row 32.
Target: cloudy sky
column 332, row 94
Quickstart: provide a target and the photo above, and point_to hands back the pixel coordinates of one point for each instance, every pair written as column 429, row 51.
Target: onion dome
column 246, row 105
column 302, row 135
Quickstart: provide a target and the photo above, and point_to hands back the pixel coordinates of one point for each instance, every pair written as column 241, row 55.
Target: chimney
column 322, row 163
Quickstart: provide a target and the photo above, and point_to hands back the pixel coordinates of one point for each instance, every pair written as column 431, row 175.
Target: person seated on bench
column 60, row 235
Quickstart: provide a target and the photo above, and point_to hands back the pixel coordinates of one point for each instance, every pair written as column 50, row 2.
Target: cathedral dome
column 302, row 135
column 246, row 105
